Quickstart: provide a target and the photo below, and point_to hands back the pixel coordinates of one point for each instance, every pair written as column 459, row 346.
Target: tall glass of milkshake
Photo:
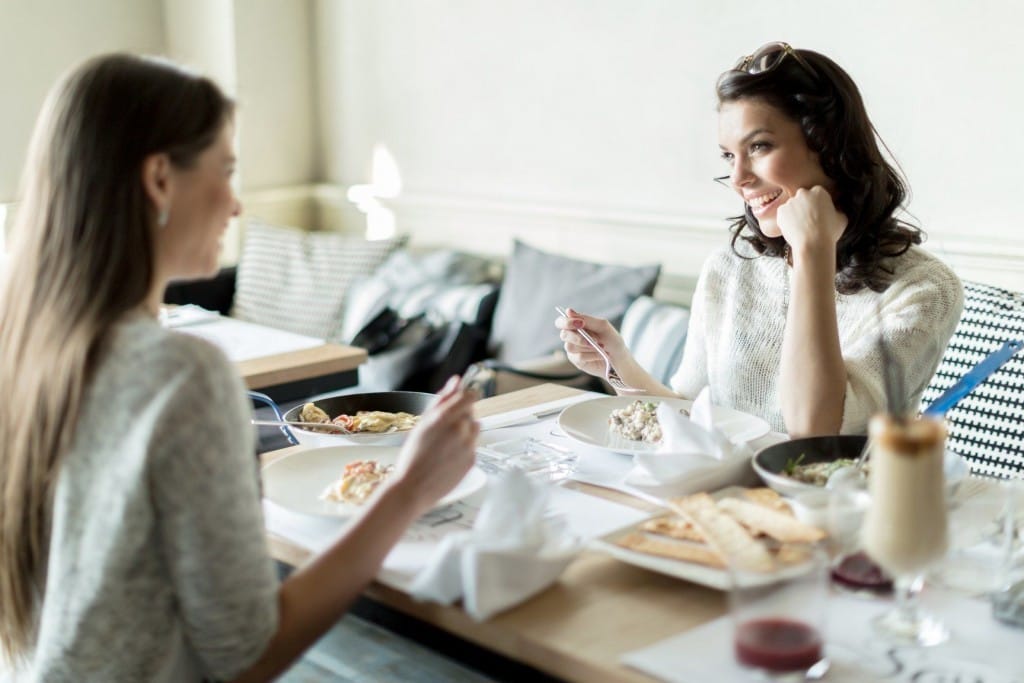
column 905, row 529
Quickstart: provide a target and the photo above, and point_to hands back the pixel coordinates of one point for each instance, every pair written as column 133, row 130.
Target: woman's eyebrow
column 752, row 134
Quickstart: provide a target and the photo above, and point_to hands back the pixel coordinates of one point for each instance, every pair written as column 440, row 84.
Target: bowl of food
column 800, row 466
column 378, row 418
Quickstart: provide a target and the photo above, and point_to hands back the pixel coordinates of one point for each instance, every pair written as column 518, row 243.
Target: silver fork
column 610, row 375
column 330, row 426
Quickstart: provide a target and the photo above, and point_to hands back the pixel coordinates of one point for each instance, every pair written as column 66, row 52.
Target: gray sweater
column 158, row 566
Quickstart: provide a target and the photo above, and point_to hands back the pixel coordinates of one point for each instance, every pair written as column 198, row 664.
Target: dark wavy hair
column 830, row 111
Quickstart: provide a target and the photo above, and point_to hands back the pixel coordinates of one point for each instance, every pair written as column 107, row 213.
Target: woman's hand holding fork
column 585, row 357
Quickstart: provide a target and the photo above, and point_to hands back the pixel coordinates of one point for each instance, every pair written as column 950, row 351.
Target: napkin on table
column 511, row 553
column 688, row 445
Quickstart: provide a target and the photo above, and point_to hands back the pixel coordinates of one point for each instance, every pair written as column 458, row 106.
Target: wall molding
column 679, row 241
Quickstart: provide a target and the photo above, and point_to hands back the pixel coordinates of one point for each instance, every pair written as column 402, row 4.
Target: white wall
column 573, row 122
column 276, row 76
column 259, row 51
column 40, row 40
column 586, row 126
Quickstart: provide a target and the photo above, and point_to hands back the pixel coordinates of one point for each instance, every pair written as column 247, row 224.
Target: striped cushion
column 656, row 334
column 986, row 427
column 296, row 280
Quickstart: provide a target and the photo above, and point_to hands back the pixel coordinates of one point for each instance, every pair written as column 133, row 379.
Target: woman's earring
column 162, row 218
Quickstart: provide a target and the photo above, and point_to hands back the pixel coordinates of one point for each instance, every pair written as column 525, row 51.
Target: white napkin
column 688, row 445
column 511, row 553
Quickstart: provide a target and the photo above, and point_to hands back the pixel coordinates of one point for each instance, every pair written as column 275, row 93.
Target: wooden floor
column 356, row 650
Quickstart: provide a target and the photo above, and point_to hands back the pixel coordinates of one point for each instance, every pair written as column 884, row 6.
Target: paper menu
column 242, row 341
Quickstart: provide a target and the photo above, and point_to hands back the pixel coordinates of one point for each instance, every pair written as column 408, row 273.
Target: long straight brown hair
column 82, row 256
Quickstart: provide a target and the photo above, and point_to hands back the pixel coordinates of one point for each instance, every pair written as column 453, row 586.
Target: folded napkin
column 512, row 552
column 688, row 445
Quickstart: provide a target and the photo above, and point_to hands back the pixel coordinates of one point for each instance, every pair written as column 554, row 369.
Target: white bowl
column 413, row 402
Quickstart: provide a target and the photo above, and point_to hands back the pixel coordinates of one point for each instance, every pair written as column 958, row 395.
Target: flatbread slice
column 687, row 552
column 724, row 533
column 777, row 525
column 789, row 554
column 766, row 497
column 673, row 527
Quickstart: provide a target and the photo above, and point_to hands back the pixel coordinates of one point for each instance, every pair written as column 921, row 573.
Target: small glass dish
column 537, row 459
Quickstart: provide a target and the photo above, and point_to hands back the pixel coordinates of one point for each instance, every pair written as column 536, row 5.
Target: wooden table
column 298, row 374
column 600, row 608
column 578, row 628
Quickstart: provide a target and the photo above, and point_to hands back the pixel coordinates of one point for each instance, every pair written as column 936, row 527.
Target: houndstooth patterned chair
column 986, row 427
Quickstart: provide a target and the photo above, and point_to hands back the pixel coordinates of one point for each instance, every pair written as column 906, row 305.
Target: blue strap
column 978, row 374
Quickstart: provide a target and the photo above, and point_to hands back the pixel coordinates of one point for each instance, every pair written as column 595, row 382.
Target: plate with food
column 380, row 418
column 800, row 466
column 629, row 424
column 337, row 481
column 754, row 527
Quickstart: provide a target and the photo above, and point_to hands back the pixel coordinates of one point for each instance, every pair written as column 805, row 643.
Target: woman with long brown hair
column 131, row 538
column 785, row 324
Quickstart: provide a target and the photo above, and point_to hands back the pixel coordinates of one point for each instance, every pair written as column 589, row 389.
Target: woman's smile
column 762, row 203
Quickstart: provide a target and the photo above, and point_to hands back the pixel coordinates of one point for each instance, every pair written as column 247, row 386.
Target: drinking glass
column 852, row 570
column 779, row 625
column 1008, row 598
column 905, row 529
column 981, row 543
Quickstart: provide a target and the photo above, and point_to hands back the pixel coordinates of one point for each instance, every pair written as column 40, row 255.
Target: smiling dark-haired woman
column 786, row 323
column 131, row 536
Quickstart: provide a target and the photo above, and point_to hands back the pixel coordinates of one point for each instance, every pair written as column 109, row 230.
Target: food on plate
column 364, row 421
column 637, row 422
column 312, row 413
column 724, row 533
column 815, row 473
column 754, row 527
column 358, row 481
column 687, row 552
column 769, row 522
column 769, row 498
column 673, row 527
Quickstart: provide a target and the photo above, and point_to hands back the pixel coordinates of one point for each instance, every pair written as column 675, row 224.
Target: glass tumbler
column 779, row 620
column 851, row 569
column 905, row 529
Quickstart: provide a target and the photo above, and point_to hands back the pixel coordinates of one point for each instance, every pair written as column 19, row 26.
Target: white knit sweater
column 734, row 343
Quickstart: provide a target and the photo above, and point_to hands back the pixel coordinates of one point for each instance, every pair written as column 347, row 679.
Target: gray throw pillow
column 537, row 281
column 297, row 280
column 446, row 284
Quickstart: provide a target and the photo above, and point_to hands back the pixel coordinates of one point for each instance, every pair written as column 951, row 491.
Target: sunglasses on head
column 769, row 56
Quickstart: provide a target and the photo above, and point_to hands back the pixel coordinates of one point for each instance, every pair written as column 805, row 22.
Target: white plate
column 296, row 481
column 587, row 423
column 313, row 439
column 711, row 577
